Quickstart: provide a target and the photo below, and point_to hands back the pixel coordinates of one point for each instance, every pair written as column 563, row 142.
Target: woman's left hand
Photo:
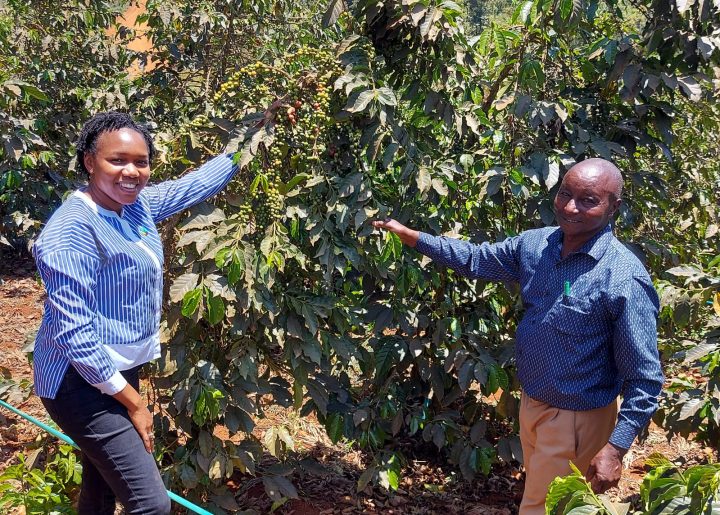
column 140, row 415
column 142, row 419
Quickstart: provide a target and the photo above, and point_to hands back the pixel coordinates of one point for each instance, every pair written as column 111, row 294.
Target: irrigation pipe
column 173, row 496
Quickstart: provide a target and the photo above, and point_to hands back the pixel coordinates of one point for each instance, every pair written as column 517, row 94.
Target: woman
column 100, row 258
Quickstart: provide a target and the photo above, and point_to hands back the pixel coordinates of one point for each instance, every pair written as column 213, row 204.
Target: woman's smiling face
column 119, row 168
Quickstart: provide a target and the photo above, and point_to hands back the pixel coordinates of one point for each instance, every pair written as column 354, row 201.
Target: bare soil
column 327, row 477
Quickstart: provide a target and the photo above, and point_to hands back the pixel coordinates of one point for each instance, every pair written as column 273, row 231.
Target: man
column 588, row 333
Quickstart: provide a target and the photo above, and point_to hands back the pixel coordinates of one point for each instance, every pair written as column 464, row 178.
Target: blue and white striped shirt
column 574, row 351
column 103, row 274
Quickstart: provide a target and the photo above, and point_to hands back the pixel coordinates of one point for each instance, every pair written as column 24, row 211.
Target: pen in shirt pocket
column 566, row 290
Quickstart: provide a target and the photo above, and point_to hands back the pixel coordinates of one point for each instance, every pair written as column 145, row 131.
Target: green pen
column 567, row 288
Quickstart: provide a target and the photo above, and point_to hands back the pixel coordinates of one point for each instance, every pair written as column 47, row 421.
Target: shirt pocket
column 577, row 317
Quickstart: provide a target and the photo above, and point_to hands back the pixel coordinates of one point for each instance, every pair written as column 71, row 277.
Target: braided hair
column 107, row 122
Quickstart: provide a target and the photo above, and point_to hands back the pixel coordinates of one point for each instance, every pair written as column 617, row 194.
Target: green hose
column 180, row 500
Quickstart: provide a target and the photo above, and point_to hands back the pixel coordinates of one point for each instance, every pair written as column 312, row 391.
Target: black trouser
column 115, row 462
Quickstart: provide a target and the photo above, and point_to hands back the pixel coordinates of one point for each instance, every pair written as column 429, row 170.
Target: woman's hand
column 142, row 419
column 408, row 236
column 140, row 416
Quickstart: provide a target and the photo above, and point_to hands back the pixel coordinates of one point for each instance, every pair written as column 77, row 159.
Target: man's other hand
column 408, row 236
column 605, row 468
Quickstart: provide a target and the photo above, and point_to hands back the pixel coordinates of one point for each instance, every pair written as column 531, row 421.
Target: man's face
column 585, row 203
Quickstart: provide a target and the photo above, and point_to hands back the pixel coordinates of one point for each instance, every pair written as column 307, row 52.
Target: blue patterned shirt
column 103, row 274
column 576, row 351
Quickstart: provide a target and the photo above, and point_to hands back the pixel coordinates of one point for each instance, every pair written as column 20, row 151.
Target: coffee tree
column 307, row 307
column 74, row 69
column 280, row 293
column 63, row 62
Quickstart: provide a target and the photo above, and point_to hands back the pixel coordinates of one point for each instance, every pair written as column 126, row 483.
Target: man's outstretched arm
column 493, row 262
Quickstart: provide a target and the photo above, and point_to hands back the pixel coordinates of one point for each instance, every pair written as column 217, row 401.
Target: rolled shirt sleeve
column 69, row 278
column 170, row 197
column 635, row 311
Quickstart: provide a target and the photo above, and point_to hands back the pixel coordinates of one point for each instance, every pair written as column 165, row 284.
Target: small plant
column 666, row 489
column 12, row 391
column 41, row 491
column 572, row 494
column 386, row 470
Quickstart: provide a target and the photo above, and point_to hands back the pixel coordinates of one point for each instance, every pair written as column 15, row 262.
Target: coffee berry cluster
column 295, row 95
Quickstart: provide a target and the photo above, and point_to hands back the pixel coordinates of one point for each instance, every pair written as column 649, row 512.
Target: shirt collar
column 595, row 247
column 81, row 193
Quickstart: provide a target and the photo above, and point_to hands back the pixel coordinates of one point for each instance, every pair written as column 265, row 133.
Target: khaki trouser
column 551, row 438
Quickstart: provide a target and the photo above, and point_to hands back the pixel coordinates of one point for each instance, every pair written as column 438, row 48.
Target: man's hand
column 408, row 236
column 605, row 468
